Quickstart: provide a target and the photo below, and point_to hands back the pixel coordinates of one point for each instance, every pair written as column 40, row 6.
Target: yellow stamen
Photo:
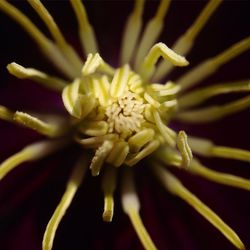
column 94, row 128
column 118, row 154
column 100, row 156
column 37, row 76
column 120, row 81
column 169, row 156
column 147, row 150
column 86, row 32
column 132, row 31
column 31, row 152
column 108, row 186
column 209, row 66
column 174, row 186
column 46, row 45
column 49, row 129
column 147, row 68
column 151, row 32
column 6, row 114
column 166, row 132
column 184, row 44
column 73, row 184
column 222, row 178
column 91, row 64
column 131, row 206
column 137, row 141
column 186, row 152
column 200, row 95
column 213, row 113
column 207, row 148
column 78, row 105
column 66, row 49
column 94, row 142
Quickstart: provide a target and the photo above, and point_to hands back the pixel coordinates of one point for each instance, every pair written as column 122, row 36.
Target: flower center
column 125, row 114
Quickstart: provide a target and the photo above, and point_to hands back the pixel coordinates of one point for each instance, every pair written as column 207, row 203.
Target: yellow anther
column 42, row 78
column 49, row 129
column 108, row 187
column 118, row 154
column 100, row 156
column 120, row 81
column 186, row 152
column 137, row 141
column 147, row 68
column 91, row 64
column 94, row 128
column 147, row 150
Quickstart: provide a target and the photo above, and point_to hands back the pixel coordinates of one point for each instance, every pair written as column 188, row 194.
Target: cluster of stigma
column 121, row 116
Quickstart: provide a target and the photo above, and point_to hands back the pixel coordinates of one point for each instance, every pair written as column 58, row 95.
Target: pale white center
column 125, row 114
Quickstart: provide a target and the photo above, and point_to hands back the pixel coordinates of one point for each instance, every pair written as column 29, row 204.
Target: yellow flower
column 122, row 115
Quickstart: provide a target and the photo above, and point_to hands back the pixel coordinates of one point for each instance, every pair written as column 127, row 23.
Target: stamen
column 97, row 141
column 218, row 177
column 31, row 152
column 147, row 150
column 120, row 81
column 66, row 49
column 137, row 141
column 168, row 136
column 100, row 156
column 86, row 32
column 132, row 31
column 151, row 100
column 186, row 152
column 49, row 129
column 131, row 206
column 118, row 154
column 207, row 148
column 73, row 184
column 209, row 66
column 78, row 105
column 91, row 64
column 101, row 90
column 6, row 114
column 94, row 128
column 108, row 186
column 147, row 68
column 169, row 156
column 184, row 44
column 198, row 96
column 168, row 89
column 174, row 186
column 151, row 32
column 29, row 73
column 47, row 46
column 213, row 113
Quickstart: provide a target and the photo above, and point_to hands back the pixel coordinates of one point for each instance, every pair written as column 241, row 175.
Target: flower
column 121, row 116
